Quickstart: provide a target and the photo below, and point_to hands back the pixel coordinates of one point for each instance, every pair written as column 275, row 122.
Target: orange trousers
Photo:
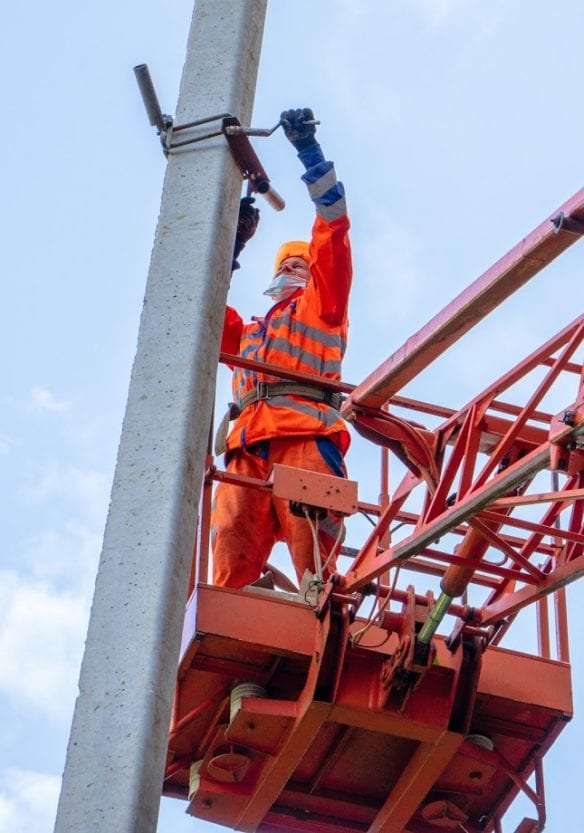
column 246, row 523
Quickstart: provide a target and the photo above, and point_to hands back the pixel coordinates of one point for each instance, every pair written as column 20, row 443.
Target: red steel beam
column 369, row 564
column 412, row 518
column 285, row 373
column 310, row 716
column 330, row 384
column 416, row 780
column 279, row 769
column 511, row 603
column 507, row 275
column 533, row 526
column 552, row 345
column 542, row 497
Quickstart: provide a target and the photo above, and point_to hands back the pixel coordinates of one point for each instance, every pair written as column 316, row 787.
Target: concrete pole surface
column 116, row 753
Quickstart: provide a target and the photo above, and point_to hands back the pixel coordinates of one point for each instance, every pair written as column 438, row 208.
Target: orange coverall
column 305, row 332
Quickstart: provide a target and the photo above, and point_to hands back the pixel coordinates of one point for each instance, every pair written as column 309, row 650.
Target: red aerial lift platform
column 331, row 746
column 345, row 706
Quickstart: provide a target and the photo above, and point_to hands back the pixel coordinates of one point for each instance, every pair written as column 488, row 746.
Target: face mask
column 283, row 286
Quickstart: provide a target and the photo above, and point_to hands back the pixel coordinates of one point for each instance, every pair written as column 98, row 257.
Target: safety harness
column 267, row 390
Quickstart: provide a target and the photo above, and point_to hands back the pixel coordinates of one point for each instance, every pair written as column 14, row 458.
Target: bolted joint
column 569, row 418
column 569, row 224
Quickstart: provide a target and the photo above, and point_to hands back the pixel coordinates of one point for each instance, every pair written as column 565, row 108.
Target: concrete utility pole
column 116, row 753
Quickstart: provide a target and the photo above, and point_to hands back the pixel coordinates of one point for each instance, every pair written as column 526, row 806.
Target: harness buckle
column 335, row 400
column 263, row 390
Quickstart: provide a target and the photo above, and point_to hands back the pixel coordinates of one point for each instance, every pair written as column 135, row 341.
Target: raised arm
column 330, row 251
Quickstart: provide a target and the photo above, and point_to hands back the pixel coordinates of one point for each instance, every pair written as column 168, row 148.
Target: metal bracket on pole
column 237, row 137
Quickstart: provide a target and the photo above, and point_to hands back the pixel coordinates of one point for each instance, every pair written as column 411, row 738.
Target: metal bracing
column 487, row 477
column 478, row 469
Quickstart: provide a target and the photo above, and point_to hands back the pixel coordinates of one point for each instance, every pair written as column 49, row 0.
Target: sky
column 454, row 125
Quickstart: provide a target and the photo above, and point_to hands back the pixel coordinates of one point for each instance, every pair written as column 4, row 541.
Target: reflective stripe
column 322, row 185
column 329, row 416
column 332, row 455
column 318, row 364
column 331, row 212
column 248, row 350
column 242, row 380
column 256, row 331
column 313, row 333
column 240, row 386
column 316, row 171
column 295, row 337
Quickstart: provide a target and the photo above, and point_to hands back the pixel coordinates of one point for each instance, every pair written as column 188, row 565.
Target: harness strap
column 266, row 390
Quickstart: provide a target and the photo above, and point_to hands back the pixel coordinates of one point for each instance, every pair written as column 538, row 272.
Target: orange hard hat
column 293, row 248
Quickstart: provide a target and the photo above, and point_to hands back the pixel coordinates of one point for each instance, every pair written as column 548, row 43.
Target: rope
column 315, row 544
column 374, row 617
column 335, row 547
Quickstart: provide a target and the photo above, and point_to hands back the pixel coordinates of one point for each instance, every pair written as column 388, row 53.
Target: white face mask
column 284, row 285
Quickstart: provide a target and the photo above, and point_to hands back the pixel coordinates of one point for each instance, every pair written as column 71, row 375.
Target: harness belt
column 267, row 390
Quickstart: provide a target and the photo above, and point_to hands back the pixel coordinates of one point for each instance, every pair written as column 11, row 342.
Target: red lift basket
column 348, row 709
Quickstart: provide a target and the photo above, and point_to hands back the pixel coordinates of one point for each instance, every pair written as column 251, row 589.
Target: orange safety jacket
column 305, row 332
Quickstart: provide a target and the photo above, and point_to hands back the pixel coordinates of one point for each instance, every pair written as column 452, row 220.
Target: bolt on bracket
column 570, row 224
column 226, row 124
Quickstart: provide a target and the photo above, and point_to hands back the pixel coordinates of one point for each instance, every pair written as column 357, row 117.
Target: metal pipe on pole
column 116, row 753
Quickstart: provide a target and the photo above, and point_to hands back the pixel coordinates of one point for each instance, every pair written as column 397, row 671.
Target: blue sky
column 455, row 127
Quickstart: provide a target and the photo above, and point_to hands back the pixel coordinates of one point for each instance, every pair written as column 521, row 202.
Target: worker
column 277, row 421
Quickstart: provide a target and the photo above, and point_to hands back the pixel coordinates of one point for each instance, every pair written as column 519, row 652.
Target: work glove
column 296, row 128
column 247, row 223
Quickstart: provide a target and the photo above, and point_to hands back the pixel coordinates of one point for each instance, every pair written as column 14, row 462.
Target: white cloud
column 70, row 554
column 89, row 488
column 41, row 399
column 41, row 643
column 28, row 800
